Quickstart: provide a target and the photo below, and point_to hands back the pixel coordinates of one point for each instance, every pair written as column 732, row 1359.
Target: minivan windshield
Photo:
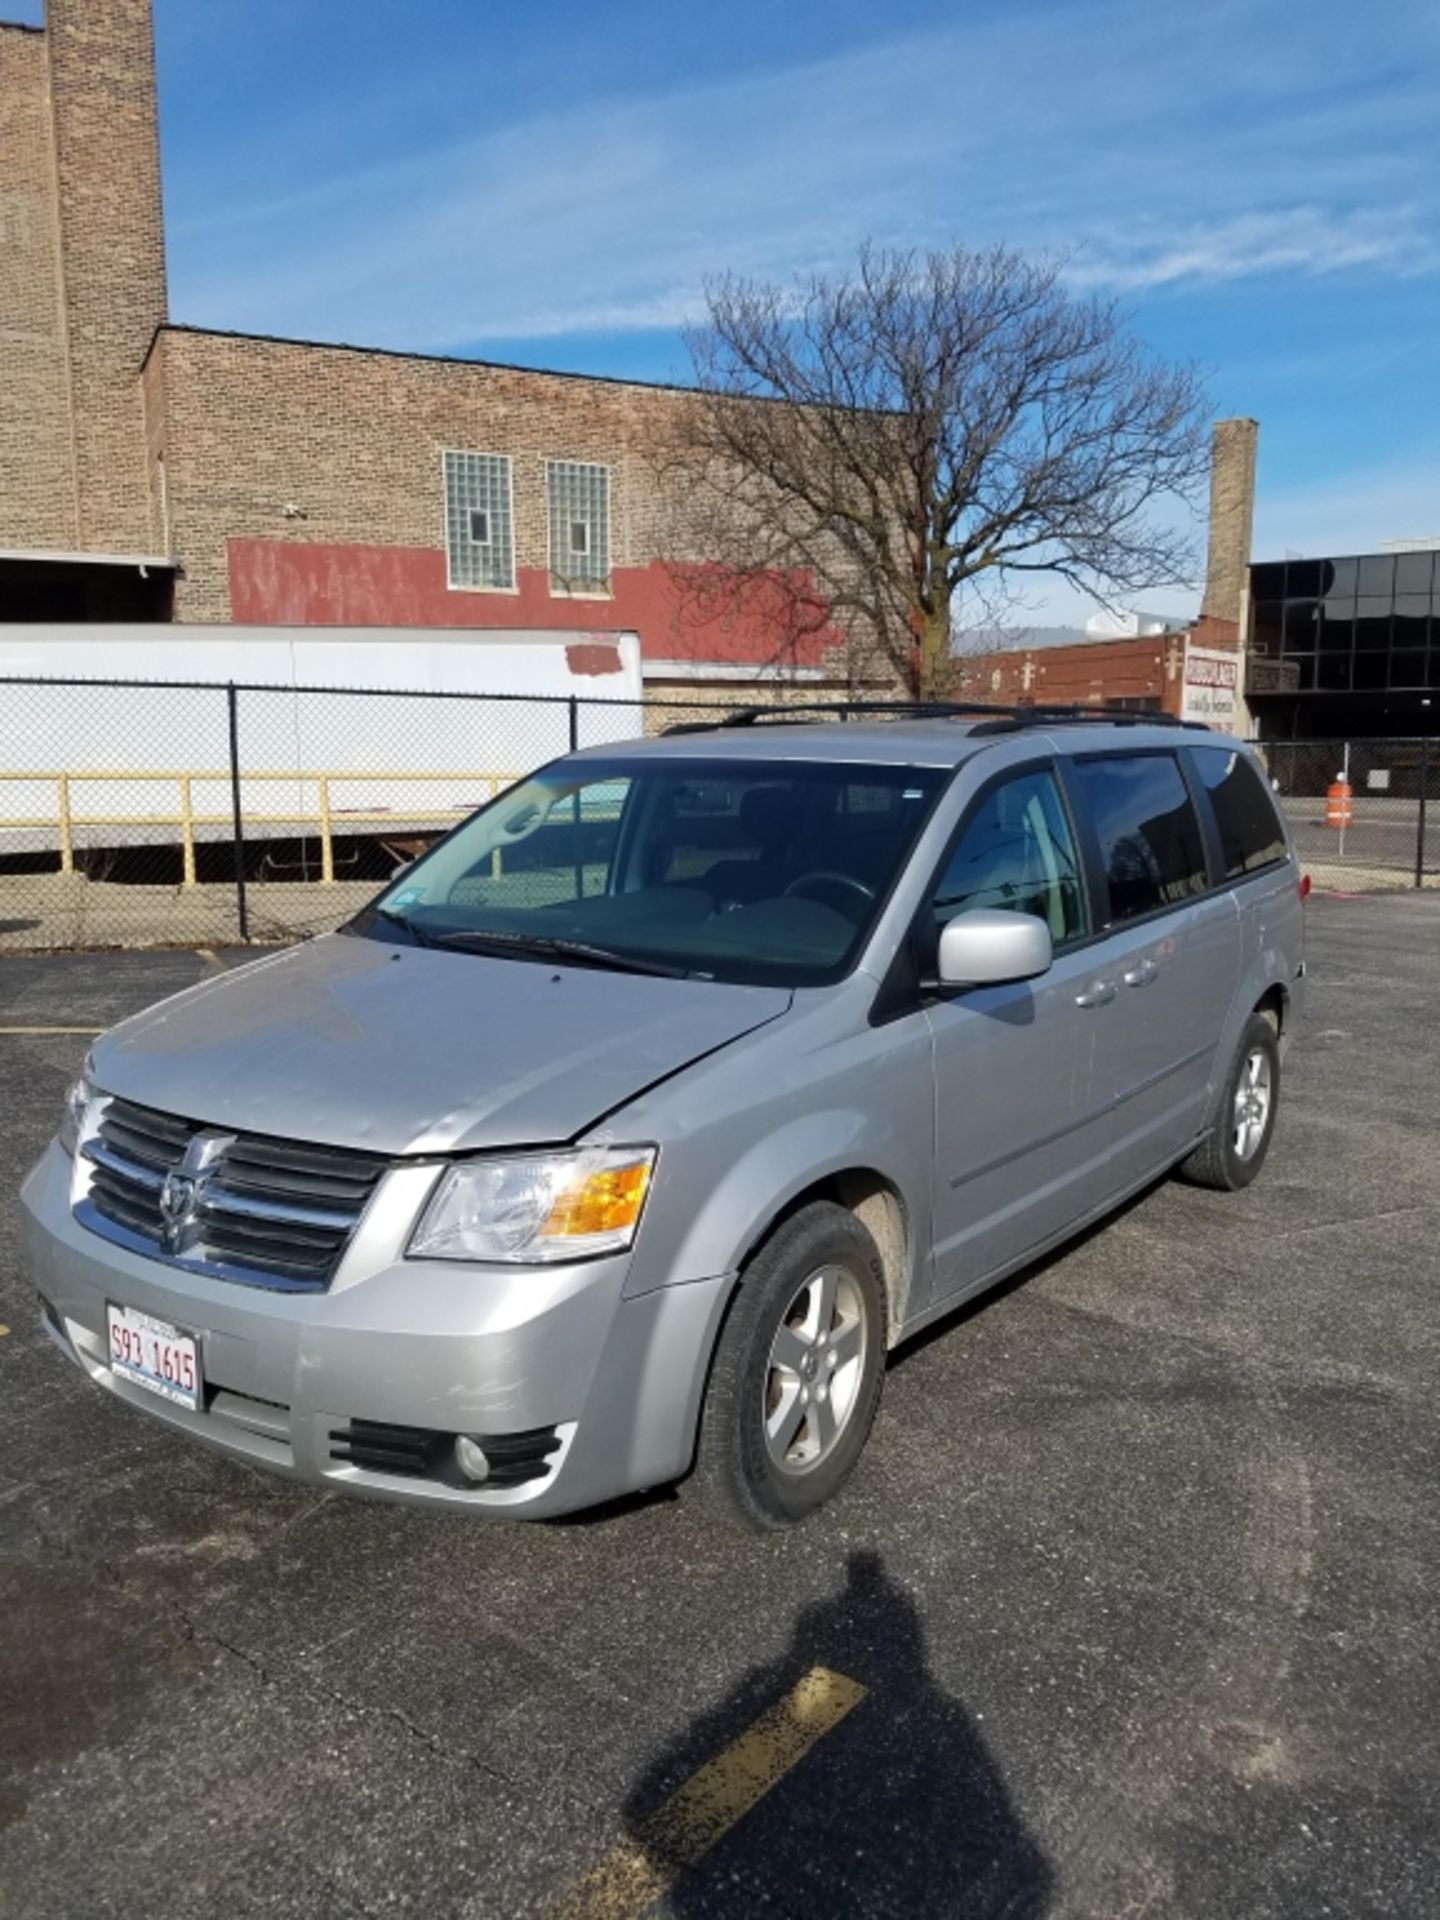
column 758, row 872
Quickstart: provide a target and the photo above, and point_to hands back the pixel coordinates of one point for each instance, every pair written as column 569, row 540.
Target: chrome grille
column 276, row 1213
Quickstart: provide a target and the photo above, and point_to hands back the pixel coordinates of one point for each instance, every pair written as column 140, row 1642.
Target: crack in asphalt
column 309, row 1684
column 200, row 1635
column 113, row 1574
column 1297, row 1374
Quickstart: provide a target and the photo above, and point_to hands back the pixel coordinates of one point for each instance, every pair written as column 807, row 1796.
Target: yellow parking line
column 635, row 1874
column 213, row 962
column 34, row 1030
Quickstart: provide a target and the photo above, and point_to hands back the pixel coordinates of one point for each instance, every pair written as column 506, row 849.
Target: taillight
column 1304, row 888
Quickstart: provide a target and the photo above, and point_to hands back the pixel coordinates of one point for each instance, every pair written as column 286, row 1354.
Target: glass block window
column 578, row 494
column 479, row 536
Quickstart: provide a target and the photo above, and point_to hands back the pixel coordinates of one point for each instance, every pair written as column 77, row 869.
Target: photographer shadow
column 895, row 1809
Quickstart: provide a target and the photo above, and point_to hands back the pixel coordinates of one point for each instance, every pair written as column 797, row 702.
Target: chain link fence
column 138, row 814
column 167, row 813
column 1365, row 813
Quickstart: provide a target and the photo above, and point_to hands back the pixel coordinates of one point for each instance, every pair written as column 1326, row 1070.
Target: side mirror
column 989, row 946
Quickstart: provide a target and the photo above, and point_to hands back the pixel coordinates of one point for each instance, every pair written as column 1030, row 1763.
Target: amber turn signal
column 608, row 1201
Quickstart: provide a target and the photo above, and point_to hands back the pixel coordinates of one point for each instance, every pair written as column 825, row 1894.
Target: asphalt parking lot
column 1129, row 1610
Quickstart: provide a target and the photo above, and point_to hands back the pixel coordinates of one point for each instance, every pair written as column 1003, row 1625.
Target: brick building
column 309, row 484
column 152, row 471
column 82, row 290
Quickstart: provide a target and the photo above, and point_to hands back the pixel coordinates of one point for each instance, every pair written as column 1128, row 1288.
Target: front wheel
column 1234, row 1150
column 797, row 1372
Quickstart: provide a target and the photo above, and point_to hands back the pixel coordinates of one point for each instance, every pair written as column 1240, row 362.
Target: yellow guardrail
column 66, row 819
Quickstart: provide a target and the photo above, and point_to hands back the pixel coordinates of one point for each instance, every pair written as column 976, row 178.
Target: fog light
column 470, row 1458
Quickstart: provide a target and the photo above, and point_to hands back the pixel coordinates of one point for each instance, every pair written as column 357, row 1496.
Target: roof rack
column 989, row 716
column 844, row 709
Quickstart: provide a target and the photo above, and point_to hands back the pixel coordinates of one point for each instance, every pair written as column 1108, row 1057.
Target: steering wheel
column 826, row 877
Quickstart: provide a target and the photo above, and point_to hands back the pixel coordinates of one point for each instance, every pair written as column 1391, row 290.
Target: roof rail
column 990, row 716
column 1064, row 716
column 843, row 710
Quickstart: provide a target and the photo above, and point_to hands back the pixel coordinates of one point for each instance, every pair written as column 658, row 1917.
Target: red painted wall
column 1147, row 667
column 299, row 583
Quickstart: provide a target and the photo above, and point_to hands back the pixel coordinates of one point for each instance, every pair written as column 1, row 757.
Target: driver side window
column 1016, row 852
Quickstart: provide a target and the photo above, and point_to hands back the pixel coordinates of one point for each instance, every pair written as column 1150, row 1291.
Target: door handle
column 1098, row 994
column 1141, row 975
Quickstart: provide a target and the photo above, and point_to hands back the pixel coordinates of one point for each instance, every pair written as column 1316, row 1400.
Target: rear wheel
column 1234, row 1149
column 797, row 1373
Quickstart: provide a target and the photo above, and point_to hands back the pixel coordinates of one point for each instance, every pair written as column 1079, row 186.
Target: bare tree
column 866, row 447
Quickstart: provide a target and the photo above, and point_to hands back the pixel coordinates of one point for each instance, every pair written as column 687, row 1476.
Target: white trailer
column 329, row 736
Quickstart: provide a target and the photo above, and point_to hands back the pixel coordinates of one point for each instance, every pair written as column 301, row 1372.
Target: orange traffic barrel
column 1339, row 806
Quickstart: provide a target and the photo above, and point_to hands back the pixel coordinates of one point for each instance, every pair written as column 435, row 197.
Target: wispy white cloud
column 1220, row 145
column 1305, row 240
column 1353, row 512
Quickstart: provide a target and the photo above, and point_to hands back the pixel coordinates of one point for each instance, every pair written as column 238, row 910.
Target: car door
column 1166, row 966
column 1019, row 1141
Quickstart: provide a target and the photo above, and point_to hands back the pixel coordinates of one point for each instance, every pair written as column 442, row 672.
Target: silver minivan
column 622, row 1136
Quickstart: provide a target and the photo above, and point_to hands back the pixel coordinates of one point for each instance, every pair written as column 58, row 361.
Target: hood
column 357, row 1043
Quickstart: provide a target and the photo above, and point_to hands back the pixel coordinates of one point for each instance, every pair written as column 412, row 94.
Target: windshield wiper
column 550, row 946
column 394, row 919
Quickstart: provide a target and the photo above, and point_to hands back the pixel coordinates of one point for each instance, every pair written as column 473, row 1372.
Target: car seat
column 769, row 818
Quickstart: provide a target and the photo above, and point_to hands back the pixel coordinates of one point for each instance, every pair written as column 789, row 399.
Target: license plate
column 154, row 1354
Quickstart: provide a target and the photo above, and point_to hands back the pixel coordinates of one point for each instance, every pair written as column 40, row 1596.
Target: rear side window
column 1250, row 832
column 1150, row 840
column 1016, row 852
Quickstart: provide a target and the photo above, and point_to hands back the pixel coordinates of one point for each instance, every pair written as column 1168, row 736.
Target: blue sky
column 1258, row 180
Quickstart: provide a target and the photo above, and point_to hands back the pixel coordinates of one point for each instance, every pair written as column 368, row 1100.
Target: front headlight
column 72, row 1118
column 536, row 1207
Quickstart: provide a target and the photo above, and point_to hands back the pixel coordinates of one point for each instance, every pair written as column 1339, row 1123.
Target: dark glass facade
column 1346, row 645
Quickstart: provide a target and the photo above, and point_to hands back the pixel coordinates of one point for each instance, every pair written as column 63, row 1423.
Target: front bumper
column 435, row 1345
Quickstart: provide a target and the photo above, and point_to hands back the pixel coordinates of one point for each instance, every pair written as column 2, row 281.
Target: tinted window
column 1301, row 626
column 1016, row 852
column 1412, row 572
column 1250, row 831
column 1149, row 836
column 1266, row 625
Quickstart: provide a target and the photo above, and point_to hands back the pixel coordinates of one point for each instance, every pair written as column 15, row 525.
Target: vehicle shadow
column 898, row 1809
column 1022, row 1276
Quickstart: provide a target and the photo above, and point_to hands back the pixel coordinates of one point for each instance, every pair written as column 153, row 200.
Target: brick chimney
column 1232, row 516
column 106, row 182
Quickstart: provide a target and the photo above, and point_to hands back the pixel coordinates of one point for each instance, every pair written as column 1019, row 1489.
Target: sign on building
column 1272, row 676
column 1211, row 687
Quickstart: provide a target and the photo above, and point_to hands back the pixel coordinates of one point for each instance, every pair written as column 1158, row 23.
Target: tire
column 764, row 1461
column 1234, row 1150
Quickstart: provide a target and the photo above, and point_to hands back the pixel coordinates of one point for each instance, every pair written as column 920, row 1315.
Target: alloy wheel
column 1251, row 1113
column 813, row 1374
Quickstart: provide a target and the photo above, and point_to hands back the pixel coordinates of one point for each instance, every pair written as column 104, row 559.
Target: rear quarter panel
column 1272, row 942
